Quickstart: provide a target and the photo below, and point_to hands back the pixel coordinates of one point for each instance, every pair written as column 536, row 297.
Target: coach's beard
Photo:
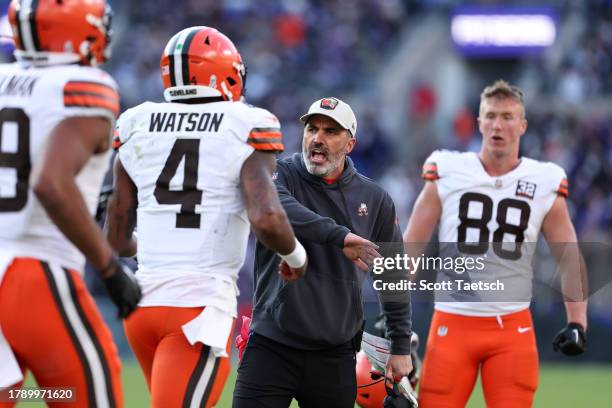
column 331, row 163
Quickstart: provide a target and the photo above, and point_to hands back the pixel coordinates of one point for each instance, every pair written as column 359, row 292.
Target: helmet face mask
column 50, row 32
column 202, row 62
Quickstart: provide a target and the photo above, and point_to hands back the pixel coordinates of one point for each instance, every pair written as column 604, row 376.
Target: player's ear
column 350, row 145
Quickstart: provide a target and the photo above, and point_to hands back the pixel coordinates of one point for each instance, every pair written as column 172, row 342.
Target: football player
column 194, row 173
column 481, row 201
column 57, row 112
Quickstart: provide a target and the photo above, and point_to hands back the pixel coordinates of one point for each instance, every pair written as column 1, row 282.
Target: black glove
column 122, row 288
column 571, row 340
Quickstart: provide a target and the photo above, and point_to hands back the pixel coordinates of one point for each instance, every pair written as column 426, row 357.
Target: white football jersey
column 484, row 216
column 33, row 101
column 185, row 160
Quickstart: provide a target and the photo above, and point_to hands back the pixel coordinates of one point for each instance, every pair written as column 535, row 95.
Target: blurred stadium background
column 413, row 71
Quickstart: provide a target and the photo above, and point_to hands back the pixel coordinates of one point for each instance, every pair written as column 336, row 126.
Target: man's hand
column 398, row 366
column 361, row 251
column 122, row 287
column 290, row 274
column 571, row 341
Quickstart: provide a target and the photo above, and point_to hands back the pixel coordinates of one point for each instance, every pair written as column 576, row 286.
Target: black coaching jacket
column 324, row 308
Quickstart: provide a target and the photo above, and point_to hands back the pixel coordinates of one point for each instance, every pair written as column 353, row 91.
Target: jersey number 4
column 189, row 196
column 480, row 224
column 14, row 156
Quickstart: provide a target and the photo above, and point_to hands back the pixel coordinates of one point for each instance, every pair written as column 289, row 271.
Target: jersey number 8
column 18, row 159
column 480, row 224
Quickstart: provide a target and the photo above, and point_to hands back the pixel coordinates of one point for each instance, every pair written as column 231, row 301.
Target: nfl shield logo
column 329, row 103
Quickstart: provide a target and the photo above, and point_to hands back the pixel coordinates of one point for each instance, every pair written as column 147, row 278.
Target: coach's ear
column 350, row 145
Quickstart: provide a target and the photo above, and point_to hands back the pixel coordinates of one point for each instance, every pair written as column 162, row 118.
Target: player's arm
column 312, row 227
column 307, row 224
column 121, row 212
column 561, row 237
column 423, row 220
column 396, row 305
column 268, row 219
column 69, row 147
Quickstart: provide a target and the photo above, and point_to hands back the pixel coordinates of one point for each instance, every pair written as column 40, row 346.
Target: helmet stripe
column 169, row 51
column 19, row 29
column 35, row 39
column 176, row 56
column 25, row 23
column 185, row 56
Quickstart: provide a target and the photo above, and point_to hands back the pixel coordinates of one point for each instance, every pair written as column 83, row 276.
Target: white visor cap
column 336, row 109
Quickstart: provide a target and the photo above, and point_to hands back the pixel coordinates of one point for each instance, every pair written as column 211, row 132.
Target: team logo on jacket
column 362, row 211
column 525, row 189
column 329, row 103
column 442, row 331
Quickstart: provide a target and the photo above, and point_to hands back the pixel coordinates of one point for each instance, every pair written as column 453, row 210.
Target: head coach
column 304, row 334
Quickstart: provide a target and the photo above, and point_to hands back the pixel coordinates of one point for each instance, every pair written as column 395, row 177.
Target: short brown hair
column 501, row 89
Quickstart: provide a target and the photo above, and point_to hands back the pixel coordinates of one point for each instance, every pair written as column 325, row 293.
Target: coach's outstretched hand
column 359, row 250
column 122, row 288
column 571, row 340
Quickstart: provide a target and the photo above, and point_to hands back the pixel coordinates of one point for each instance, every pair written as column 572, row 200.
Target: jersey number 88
column 480, row 224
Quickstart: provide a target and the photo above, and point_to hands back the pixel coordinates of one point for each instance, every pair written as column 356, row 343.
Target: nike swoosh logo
column 523, row 329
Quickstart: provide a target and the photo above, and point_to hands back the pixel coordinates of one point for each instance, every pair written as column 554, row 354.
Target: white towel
column 211, row 327
column 10, row 373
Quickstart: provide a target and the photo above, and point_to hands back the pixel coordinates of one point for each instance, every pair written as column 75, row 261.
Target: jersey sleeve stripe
column 266, row 130
column 563, row 189
column 114, row 98
column 270, row 134
column 259, row 140
column 89, row 101
column 83, row 86
column 430, row 172
column 271, row 147
column 116, row 140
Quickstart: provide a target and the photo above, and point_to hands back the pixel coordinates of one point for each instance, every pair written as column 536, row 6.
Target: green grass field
column 561, row 386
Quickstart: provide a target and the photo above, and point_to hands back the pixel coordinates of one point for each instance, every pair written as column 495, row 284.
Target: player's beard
column 333, row 161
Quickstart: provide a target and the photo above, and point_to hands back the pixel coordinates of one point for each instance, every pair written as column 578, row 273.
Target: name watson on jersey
column 185, row 122
column 457, row 284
